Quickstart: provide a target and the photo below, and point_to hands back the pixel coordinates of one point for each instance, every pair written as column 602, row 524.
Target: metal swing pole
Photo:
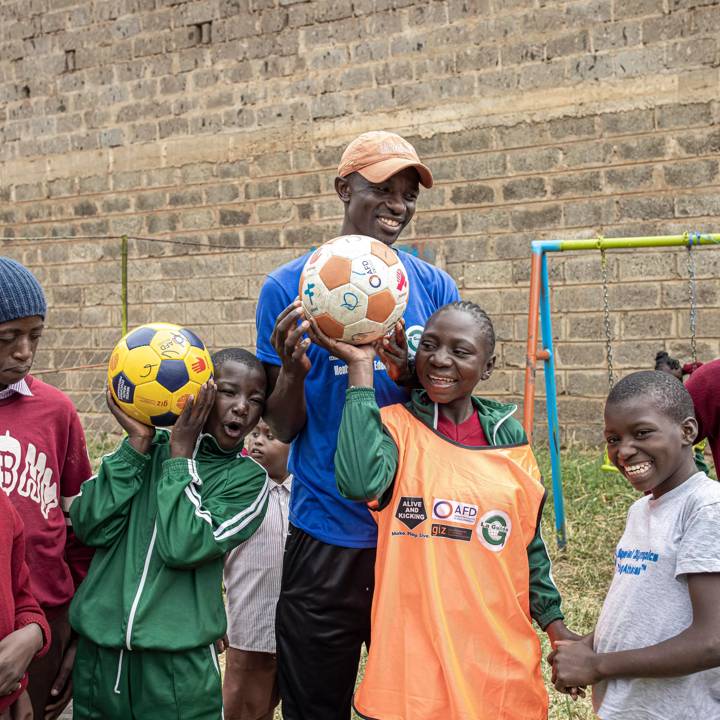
column 539, row 313
column 552, row 410
column 692, row 296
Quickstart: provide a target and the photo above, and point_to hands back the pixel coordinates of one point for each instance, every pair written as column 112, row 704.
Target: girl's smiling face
column 455, row 353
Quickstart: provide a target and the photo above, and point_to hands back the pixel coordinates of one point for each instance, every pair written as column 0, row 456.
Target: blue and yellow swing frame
column 540, row 314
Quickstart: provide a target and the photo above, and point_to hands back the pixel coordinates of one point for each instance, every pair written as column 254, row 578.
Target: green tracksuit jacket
column 161, row 527
column 366, row 461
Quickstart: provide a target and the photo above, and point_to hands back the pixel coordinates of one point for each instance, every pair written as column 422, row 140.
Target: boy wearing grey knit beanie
column 22, row 315
column 43, row 462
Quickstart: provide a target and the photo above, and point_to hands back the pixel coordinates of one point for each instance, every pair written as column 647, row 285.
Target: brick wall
column 213, row 127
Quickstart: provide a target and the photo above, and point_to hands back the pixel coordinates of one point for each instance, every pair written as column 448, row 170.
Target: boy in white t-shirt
column 655, row 652
column 252, row 577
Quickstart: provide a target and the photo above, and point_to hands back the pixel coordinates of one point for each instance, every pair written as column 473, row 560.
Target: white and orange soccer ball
column 355, row 287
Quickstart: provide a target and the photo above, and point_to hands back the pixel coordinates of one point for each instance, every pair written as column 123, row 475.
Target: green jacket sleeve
column 545, row 601
column 195, row 525
column 99, row 513
column 366, row 458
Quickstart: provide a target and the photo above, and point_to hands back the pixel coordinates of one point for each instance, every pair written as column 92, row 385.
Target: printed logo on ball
column 401, row 280
column 309, row 292
column 454, row 511
column 350, row 301
column 368, row 267
column 411, row 511
column 199, row 365
column 124, row 390
column 494, row 529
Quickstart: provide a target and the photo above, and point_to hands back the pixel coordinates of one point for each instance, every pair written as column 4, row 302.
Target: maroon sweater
column 18, row 607
column 43, row 462
column 704, row 387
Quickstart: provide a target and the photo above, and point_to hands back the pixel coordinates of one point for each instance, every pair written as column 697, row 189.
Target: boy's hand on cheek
column 140, row 436
column 191, row 422
column 16, row 651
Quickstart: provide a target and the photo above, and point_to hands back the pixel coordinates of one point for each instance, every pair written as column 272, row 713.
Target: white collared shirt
column 20, row 387
column 253, row 572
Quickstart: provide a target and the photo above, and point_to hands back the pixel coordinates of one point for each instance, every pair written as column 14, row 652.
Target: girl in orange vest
column 462, row 569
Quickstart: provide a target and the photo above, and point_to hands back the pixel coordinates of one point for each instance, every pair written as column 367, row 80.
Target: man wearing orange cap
column 323, row 615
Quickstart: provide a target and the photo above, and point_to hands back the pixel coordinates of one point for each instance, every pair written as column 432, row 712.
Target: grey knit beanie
column 20, row 293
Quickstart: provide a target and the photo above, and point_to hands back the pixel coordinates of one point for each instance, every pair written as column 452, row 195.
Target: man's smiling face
column 379, row 210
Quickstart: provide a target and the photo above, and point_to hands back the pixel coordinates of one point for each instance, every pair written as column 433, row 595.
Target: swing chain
column 692, row 293
column 606, row 318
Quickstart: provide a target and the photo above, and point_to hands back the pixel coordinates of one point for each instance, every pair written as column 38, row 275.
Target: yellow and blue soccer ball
column 154, row 369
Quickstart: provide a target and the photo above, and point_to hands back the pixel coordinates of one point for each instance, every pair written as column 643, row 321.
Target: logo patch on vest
column 413, row 335
column 451, row 532
column 411, row 511
column 454, row 511
column 493, row 529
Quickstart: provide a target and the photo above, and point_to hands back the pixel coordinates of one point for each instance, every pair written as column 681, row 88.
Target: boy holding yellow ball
column 162, row 512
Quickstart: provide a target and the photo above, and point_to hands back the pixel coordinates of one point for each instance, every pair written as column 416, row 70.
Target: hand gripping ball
column 154, row 369
column 355, row 287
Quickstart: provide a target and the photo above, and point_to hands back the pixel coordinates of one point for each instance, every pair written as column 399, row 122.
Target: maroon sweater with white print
column 18, row 607
column 43, row 462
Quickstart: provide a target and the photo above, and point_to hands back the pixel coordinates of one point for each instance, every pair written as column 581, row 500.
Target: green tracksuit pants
column 114, row 684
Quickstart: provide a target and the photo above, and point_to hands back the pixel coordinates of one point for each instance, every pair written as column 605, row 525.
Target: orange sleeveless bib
column 452, row 637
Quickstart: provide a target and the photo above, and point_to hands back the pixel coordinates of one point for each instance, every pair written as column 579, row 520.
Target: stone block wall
column 208, row 132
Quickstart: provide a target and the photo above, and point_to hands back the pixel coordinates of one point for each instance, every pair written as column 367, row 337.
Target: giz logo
column 454, row 511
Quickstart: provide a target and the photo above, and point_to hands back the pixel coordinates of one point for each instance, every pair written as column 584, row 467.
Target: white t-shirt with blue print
column 665, row 540
column 316, row 506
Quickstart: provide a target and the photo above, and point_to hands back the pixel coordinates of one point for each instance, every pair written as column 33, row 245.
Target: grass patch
column 101, row 445
column 596, row 504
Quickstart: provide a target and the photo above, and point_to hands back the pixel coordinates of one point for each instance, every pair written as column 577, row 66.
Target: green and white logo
column 493, row 529
column 413, row 335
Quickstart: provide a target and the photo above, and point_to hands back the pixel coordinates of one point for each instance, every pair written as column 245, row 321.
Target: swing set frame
column 540, row 313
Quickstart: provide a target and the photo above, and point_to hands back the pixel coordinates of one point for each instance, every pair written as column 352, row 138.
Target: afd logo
column 454, row 511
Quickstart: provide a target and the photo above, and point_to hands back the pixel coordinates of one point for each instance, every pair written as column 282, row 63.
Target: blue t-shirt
column 316, row 506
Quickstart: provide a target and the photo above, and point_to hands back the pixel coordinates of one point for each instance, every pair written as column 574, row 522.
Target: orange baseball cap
column 379, row 154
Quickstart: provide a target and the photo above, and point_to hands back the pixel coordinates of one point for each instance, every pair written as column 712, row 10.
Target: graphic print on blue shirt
column 316, row 506
column 634, row 561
